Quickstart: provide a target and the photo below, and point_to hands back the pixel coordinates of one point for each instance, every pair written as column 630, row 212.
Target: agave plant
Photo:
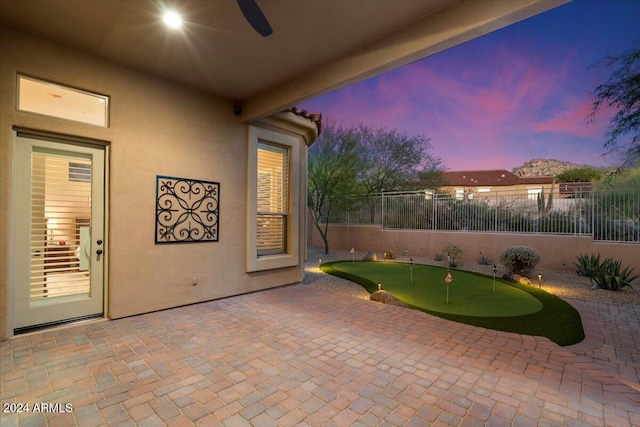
column 483, row 260
column 588, row 265
column 609, row 276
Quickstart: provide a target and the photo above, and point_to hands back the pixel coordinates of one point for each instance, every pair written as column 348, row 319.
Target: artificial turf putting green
column 522, row 309
column 469, row 294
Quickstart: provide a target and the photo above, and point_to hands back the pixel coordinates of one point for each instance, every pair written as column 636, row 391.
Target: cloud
column 483, row 106
column 573, row 120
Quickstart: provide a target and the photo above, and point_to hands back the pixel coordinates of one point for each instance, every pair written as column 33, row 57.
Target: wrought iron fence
column 607, row 215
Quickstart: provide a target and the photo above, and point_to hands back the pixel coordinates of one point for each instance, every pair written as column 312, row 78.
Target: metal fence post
column 382, row 211
column 593, row 214
column 434, row 223
column 495, row 216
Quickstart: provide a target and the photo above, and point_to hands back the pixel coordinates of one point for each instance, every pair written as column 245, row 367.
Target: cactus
column 545, row 207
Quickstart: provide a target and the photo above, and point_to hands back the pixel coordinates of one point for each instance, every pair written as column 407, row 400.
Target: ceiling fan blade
column 255, row 17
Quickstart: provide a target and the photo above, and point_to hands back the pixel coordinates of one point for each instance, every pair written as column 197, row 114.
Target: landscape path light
column 540, row 281
column 495, row 270
column 411, row 269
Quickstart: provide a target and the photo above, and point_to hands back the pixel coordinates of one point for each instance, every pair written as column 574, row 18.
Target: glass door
column 59, row 232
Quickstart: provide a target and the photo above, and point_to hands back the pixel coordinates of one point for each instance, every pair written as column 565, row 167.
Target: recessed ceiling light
column 172, row 19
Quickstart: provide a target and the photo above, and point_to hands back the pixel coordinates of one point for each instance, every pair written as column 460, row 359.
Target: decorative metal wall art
column 187, row 210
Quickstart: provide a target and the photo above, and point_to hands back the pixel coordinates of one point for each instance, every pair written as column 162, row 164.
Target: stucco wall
column 156, row 128
column 557, row 252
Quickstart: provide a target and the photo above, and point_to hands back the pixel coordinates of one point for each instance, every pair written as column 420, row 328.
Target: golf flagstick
column 448, row 279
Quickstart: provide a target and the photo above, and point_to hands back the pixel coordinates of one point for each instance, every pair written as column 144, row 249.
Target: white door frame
column 63, row 143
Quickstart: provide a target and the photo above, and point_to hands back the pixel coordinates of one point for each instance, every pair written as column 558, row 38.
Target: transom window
column 63, row 102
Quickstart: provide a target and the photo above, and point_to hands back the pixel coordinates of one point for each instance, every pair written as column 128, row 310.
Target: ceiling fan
column 255, row 17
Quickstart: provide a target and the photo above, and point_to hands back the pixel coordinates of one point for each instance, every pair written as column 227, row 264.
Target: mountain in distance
column 544, row 167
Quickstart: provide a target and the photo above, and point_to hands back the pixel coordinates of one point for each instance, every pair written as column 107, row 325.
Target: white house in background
column 144, row 167
column 475, row 183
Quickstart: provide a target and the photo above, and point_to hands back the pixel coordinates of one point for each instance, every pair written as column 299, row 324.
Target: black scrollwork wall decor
column 187, row 210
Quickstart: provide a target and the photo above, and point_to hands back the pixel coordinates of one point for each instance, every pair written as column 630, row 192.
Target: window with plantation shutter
column 60, row 224
column 272, row 199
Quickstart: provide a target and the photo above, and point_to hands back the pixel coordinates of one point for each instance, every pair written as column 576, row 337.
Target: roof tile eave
column 314, row 117
column 489, row 178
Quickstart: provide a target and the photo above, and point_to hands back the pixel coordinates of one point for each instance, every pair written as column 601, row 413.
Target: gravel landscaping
column 566, row 284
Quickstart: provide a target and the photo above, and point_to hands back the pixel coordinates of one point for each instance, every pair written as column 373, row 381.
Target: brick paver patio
column 299, row 355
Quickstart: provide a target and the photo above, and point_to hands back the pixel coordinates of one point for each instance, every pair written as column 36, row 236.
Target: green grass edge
column 557, row 320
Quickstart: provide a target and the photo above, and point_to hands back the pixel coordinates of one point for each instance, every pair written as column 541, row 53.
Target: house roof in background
column 316, row 46
column 490, row 178
column 537, row 180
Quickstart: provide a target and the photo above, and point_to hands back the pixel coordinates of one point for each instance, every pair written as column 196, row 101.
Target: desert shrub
column 582, row 174
column 438, row 257
column 609, row 276
column 389, row 254
column 588, row 265
column 520, row 259
column 454, row 254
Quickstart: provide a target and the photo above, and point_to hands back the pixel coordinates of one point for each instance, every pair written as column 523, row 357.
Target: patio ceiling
column 316, row 46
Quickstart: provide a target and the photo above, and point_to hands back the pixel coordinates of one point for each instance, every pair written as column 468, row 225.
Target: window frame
column 279, row 198
column 533, row 192
column 291, row 256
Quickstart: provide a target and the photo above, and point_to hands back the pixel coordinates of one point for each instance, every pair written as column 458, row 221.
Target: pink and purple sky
column 516, row 94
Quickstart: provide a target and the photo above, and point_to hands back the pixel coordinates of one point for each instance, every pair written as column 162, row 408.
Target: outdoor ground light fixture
column 540, row 281
column 495, row 270
column 379, row 286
